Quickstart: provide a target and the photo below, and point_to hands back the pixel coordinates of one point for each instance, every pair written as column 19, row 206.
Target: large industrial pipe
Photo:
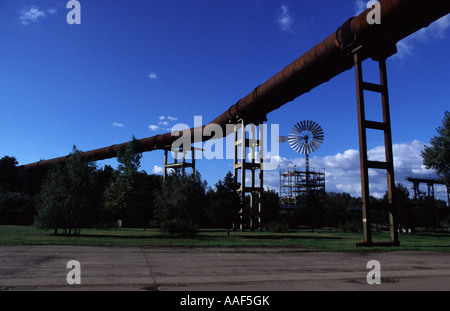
column 399, row 19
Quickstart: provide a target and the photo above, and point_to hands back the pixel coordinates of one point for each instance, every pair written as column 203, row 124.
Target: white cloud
column 404, row 49
column 153, row 127
column 32, row 14
column 153, row 76
column 342, row 171
column 117, row 124
column 435, row 31
column 157, row 169
column 163, row 125
column 285, row 20
column 360, row 6
column 51, row 11
column 408, row 160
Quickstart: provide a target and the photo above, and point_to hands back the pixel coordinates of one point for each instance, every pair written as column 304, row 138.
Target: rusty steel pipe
column 399, row 19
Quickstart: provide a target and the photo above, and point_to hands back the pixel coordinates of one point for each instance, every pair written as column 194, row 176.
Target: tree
column 119, row 194
column 270, row 206
column 8, row 173
column 102, row 178
column 181, row 203
column 336, row 208
column 310, row 210
column 129, row 160
column 51, row 201
column 224, row 202
column 141, row 208
column 66, row 198
column 437, row 155
column 425, row 212
column 16, row 207
column 403, row 204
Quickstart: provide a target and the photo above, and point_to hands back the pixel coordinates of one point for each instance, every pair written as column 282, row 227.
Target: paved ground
column 236, row 269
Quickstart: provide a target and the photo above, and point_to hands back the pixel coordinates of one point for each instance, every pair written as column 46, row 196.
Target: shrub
column 278, row 226
column 179, row 227
column 353, row 226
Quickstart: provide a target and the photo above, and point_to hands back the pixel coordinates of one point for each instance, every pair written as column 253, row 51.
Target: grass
column 298, row 240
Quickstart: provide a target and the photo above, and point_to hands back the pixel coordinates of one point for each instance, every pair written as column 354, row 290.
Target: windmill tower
column 305, row 137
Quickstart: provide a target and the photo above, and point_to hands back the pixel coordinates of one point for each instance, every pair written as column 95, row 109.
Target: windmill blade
column 318, row 134
column 316, row 128
column 305, row 125
column 306, row 137
column 316, row 142
column 315, row 145
column 297, row 146
column 297, row 129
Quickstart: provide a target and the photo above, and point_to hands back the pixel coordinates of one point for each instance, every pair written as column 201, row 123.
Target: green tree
column 117, row 196
column 52, row 200
column 310, row 211
column 66, row 198
column 181, row 203
column 224, row 202
column 437, row 155
column 335, row 212
column 119, row 193
column 425, row 212
column 102, row 179
column 16, row 207
column 141, row 208
column 270, row 206
column 403, row 204
column 129, row 158
column 8, row 173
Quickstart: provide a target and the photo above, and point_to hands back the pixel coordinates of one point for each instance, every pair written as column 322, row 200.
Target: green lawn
column 299, row 240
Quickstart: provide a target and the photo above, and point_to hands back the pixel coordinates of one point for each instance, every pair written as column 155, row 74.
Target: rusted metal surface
column 329, row 58
column 365, row 164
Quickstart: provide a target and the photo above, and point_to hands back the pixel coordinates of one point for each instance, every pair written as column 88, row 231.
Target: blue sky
column 131, row 63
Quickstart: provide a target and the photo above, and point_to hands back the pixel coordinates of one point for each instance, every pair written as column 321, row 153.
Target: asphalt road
column 43, row 268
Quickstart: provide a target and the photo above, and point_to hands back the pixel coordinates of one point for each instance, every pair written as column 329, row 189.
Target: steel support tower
column 385, row 127
column 179, row 166
column 248, row 159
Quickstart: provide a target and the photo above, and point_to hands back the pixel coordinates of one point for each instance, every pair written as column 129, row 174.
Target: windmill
column 306, row 137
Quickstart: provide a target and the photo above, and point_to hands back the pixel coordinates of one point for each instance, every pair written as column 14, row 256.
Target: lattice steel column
column 365, row 164
column 246, row 161
column 177, row 166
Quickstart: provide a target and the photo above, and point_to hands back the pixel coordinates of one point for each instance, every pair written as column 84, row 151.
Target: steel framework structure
column 176, row 165
column 365, row 163
column 430, row 182
column 295, row 183
column 248, row 157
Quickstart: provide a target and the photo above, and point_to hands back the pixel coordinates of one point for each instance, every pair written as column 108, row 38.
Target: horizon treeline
column 78, row 194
